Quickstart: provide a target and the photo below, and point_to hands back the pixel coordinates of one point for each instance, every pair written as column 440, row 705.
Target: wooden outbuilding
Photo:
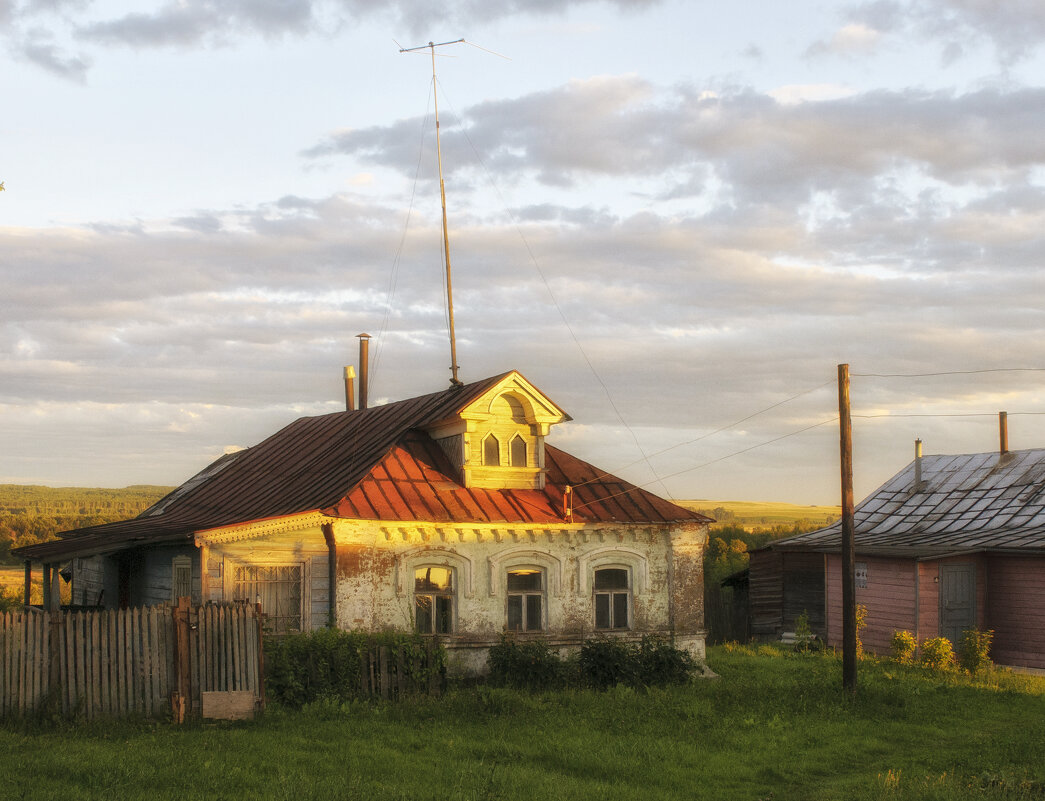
column 949, row 543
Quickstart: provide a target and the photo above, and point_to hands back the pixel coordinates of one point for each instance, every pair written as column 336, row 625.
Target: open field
column 772, row 727
column 755, row 515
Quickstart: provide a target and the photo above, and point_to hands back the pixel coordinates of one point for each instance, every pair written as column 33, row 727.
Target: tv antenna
column 454, row 381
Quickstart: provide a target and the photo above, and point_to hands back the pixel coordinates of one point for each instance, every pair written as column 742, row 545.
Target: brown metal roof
column 375, row 464
column 966, row 503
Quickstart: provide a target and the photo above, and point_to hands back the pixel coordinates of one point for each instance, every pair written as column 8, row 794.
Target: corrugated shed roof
column 968, row 502
column 375, row 463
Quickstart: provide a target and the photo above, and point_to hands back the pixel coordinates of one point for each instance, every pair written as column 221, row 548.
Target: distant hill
column 30, row 513
column 764, row 516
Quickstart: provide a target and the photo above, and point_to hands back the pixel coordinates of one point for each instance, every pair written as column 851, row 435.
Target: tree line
column 30, row 514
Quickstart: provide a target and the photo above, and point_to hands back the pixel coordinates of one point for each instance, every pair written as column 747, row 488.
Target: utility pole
column 845, row 425
column 454, row 381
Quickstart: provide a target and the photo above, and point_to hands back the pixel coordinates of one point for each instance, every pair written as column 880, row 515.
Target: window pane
column 602, row 611
column 518, row 449
column 620, row 610
column 433, row 579
column 611, row 579
column 524, row 581
column 491, row 450
column 515, row 611
column 534, row 621
column 444, row 615
column 423, row 613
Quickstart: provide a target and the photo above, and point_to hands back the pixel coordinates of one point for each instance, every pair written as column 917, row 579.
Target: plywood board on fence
column 230, row 705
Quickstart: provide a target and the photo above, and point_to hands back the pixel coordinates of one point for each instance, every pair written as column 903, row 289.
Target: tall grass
column 773, row 725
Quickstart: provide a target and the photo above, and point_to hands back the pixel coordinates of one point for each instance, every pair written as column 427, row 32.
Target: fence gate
column 149, row 662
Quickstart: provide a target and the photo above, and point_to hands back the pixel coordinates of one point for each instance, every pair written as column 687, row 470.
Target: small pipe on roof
column 917, row 465
column 350, row 388
column 364, row 368
column 1003, row 433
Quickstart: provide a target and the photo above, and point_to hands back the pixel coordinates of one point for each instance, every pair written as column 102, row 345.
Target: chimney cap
column 363, row 336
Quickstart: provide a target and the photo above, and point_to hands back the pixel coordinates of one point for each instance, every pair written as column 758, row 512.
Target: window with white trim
column 612, row 598
column 525, row 599
column 278, row 588
column 434, row 599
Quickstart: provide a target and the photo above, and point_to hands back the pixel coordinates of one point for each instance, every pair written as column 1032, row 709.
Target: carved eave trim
column 254, row 529
column 350, row 530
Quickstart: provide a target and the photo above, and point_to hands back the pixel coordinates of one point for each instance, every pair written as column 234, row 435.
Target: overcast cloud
column 662, row 243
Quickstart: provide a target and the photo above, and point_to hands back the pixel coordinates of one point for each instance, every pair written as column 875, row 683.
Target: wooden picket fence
column 384, row 673
column 146, row 662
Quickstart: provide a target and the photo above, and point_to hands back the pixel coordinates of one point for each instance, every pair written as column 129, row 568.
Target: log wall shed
column 949, row 543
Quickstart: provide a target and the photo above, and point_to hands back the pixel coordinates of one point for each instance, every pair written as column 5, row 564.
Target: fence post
column 180, row 698
column 261, row 658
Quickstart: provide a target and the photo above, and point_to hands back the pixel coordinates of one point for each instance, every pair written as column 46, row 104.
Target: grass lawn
column 772, row 727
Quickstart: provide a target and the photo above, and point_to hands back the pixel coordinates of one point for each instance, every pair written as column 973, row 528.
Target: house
column 948, row 543
column 446, row 513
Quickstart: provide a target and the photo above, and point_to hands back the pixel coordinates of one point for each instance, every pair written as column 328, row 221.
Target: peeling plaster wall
column 376, row 563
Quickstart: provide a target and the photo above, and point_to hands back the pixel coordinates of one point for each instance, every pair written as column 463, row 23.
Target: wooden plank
column 226, row 652
column 158, row 682
column 112, row 622
column 251, row 628
column 228, row 705
column 237, row 650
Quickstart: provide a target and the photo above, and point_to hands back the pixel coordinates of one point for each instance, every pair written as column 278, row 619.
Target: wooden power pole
column 845, row 425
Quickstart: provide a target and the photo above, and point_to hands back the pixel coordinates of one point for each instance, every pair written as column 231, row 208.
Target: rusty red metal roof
column 374, row 464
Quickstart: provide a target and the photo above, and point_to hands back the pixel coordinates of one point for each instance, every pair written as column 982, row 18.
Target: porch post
column 28, row 581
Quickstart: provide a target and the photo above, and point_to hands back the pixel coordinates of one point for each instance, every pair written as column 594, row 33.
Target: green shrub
column 861, row 621
column 974, row 650
column 530, row 664
column 326, row 663
column 904, row 644
column 662, row 663
column 11, row 600
column 937, row 654
column 607, row 661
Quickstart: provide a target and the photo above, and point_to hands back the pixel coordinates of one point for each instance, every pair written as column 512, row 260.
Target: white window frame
column 304, row 600
column 179, row 563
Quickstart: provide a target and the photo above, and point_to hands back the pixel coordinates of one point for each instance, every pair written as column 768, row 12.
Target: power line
column 713, row 461
column 953, row 372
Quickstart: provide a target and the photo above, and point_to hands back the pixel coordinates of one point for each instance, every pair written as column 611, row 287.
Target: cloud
column 852, row 40
column 1014, row 28
column 50, row 57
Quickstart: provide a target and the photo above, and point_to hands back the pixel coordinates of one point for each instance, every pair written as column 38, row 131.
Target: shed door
column 957, row 600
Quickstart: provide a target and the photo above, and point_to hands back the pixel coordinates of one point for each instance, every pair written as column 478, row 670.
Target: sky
column 674, row 218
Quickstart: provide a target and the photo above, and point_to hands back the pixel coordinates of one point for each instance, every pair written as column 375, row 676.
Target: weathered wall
column 375, row 569
column 889, row 597
column 1016, row 589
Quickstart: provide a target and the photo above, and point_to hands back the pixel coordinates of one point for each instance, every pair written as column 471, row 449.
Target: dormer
column 497, row 440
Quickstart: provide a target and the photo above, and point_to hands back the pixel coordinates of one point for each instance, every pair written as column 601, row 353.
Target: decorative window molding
column 613, row 598
column 614, row 556
column 435, row 596
column 553, row 566
column 424, row 555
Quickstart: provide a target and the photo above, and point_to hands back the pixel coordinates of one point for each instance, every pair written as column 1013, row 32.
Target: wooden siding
column 1016, row 589
column 889, row 597
column 766, row 573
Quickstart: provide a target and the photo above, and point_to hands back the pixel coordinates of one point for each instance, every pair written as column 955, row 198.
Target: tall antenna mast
column 454, row 381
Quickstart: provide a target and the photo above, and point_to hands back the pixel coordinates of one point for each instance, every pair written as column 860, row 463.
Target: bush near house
column 974, row 650
column 904, row 644
column 937, row 655
column 326, row 663
column 602, row 662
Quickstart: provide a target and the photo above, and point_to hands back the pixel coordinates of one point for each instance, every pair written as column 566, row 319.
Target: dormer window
column 517, row 450
column 491, row 451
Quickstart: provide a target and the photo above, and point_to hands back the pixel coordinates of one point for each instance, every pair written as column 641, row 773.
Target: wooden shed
column 947, row 544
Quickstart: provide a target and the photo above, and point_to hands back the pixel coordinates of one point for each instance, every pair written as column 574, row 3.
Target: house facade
column 447, row 514
column 948, row 544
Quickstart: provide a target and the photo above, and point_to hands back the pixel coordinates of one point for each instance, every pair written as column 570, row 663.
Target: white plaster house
column 446, row 513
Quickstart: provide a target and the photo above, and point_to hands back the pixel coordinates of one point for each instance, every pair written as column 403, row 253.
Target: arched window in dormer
column 515, row 405
column 517, row 451
column 491, row 451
